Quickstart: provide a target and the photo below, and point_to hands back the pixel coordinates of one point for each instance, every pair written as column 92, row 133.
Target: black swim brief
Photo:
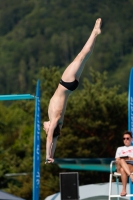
column 70, row 85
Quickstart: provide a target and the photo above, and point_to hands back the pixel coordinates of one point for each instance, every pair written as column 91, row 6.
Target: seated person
column 122, row 154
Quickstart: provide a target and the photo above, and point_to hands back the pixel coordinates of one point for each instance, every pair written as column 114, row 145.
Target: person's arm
column 54, row 142
column 53, row 146
column 49, row 141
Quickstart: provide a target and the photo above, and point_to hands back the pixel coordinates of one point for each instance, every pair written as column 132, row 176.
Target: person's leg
column 74, row 70
column 53, row 146
column 118, row 166
column 124, row 169
column 130, row 168
column 125, row 166
column 124, row 178
column 131, row 171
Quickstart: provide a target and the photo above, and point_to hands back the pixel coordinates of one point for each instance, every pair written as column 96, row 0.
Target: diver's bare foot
column 97, row 27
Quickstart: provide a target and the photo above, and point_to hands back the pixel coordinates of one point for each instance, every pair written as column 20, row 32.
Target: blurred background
column 38, row 39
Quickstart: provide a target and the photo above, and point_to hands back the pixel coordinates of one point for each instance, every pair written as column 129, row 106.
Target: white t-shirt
column 124, row 151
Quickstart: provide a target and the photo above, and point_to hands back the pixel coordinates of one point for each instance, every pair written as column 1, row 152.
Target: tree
column 53, row 33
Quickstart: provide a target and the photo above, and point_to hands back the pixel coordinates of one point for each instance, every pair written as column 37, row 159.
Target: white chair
column 117, row 176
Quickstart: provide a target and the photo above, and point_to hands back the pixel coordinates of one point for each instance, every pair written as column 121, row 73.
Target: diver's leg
column 74, row 70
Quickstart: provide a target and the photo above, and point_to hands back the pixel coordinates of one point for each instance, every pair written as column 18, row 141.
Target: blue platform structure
column 130, row 114
column 87, row 164
column 16, row 97
column 36, row 147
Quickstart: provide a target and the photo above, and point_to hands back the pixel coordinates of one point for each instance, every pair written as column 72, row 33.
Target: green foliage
column 95, row 118
column 94, row 114
column 51, row 33
column 36, row 35
column 16, row 135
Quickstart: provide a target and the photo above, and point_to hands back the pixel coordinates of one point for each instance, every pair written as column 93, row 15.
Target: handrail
column 111, row 166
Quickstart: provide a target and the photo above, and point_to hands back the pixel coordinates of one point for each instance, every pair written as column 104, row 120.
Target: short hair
column 128, row 132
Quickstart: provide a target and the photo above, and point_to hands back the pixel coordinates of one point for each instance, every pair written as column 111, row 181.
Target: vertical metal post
column 36, row 147
column 130, row 115
column 117, row 182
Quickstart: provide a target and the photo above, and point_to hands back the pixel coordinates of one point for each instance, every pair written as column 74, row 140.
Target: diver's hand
column 49, row 160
